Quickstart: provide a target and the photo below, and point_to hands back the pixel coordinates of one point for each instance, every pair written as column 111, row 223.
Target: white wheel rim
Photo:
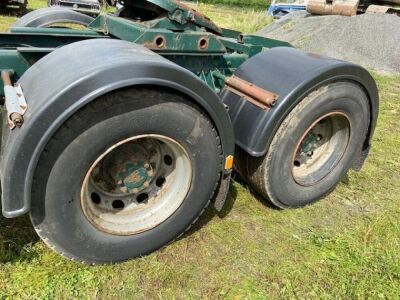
column 330, row 136
column 136, row 184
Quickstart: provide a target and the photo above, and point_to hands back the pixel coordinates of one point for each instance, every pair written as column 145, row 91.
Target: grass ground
column 259, row 4
column 347, row 246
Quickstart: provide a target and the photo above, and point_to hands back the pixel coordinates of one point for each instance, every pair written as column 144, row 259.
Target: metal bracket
column 14, row 101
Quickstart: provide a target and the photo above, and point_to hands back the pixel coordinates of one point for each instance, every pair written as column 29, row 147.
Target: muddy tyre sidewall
column 272, row 174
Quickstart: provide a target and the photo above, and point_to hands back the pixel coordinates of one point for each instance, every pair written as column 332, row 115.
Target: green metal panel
column 12, row 60
column 203, row 65
column 210, row 68
column 62, row 32
column 44, row 37
column 261, row 41
column 182, row 36
column 172, row 41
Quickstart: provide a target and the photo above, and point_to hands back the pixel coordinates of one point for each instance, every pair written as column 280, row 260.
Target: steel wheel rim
column 136, row 184
column 321, row 148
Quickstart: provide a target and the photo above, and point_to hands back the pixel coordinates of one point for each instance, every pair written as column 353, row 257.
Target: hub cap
column 321, row 148
column 136, row 184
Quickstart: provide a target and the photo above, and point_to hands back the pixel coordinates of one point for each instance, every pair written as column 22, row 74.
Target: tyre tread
column 68, row 128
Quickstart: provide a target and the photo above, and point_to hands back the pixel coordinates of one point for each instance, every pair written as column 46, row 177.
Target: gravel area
column 371, row 40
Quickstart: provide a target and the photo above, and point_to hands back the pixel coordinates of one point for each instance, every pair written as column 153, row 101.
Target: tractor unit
column 118, row 133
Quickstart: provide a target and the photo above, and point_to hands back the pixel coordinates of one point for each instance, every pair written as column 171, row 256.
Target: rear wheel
column 125, row 176
column 313, row 149
column 136, row 184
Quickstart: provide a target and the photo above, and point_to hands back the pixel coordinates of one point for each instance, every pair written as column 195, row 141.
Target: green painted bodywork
column 181, row 35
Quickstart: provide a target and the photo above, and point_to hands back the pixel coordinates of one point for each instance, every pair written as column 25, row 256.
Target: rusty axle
column 254, row 94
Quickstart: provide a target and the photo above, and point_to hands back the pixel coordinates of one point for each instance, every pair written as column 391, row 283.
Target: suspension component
column 249, row 91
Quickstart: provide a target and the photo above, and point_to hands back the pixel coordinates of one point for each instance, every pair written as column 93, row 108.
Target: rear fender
column 71, row 77
column 292, row 75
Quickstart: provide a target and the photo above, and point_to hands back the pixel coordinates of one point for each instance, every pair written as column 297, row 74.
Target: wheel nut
column 146, row 184
column 147, row 165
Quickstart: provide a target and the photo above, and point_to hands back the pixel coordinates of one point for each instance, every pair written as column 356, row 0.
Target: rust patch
column 197, row 16
column 203, row 43
column 159, row 42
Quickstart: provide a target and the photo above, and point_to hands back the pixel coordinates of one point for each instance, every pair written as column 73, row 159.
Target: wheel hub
column 321, row 148
column 135, row 176
column 127, row 170
column 136, row 184
column 309, row 144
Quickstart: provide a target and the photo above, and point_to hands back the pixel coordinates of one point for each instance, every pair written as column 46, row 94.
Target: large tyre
column 313, row 148
column 125, row 176
column 45, row 17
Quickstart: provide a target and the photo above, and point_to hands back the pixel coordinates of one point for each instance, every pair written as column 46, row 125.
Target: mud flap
column 222, row 192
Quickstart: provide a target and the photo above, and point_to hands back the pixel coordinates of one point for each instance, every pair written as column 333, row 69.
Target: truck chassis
column 117, row 136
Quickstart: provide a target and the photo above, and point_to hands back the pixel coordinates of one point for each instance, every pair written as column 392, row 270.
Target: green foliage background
column 256, row 4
